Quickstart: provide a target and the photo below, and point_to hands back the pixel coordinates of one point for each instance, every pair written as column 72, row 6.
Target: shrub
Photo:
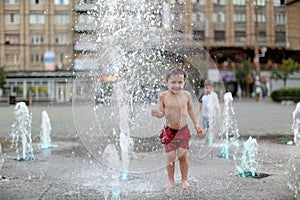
column 292, row 94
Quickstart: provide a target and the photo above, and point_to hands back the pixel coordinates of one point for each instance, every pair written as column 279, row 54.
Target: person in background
column 209, row 107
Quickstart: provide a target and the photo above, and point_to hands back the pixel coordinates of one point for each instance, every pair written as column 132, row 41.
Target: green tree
column 288, row 67
column 242, row 75
column 3, row 75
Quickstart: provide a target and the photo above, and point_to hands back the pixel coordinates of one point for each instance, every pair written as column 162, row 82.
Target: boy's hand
column 156, row 113
column 199, row 131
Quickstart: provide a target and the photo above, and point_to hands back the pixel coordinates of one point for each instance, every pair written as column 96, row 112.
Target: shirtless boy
column 175, row 104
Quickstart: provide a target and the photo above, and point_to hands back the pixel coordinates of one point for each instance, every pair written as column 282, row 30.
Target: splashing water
column 45, row 131
column 296, row 124
column 248, row 161
column 111, row 176
column 229, row 129
column 21, row 130
column 126, row 143
column 133, row 51
column 294, row 175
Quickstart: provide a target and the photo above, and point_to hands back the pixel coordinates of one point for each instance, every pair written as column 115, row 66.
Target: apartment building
column 36, row 37
column 293, row 28
column 232, row 30
column 49, row 39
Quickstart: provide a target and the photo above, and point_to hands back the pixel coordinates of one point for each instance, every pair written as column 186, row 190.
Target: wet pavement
column 68, row 171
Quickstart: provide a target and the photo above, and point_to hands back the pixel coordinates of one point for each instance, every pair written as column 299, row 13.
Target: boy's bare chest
column 176, row 102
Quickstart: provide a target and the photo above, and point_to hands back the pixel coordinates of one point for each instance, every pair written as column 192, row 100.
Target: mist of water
column 248, row 161
column 229, row 129
column 45, row 131
column 296, row 124
column 21, row 132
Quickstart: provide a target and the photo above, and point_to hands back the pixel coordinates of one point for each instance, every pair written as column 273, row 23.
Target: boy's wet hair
column 209, row 83
column 175, row 71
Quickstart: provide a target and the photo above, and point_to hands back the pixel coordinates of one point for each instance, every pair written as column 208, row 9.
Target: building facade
column 232, row 31
column 35, row 36
column 60, row 36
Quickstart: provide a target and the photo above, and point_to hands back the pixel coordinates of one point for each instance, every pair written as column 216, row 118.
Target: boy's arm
column 193, row 115
column 159, row 113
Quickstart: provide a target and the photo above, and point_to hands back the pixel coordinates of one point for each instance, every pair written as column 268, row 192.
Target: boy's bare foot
column 169, row 185
column 185, row 185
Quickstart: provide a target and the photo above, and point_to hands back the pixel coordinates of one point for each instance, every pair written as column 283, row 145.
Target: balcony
column 83, row 7
column 85, row 47
column 85, row 64
column 239, row 8
column 198, row 8
column 240, row 25
column 84, row 27
column 219, row 25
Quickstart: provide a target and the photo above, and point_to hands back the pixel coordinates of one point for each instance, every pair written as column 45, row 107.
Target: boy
column 210, row 108
column 175, row 104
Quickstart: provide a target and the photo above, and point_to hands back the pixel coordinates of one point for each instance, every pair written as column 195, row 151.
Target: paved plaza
column 68, row 171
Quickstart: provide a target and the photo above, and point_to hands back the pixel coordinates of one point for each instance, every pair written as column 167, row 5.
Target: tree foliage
column 288, row 67
column 242, row 72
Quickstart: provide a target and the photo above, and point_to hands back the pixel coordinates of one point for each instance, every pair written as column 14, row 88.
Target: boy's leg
column 184, row 167
column 171, row 156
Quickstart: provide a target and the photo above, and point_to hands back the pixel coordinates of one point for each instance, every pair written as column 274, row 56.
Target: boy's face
column 175, row 83
column 206, row 89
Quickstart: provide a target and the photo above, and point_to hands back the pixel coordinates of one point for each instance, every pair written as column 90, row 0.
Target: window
column 61, row 2
column 37, row 1
column 36, row 39
column 85, row 1
column 198, row 17
column 201, row 2
column 199, row 35
column 37, row 58
column 61, row 19
column 220, row 2
column 11, row 39
column 37, row 19
column 11, row 1
column 239, row 2
column 259, row 2
column 280, row 18
column 261, row 18
column 239, row 17
column 262, row 37
column 61, row 38
column 12, row 18
column 219, row 35
column 240, row 36
column 12, row 58
column 279, row 2
column 219, row 17
column 88, row 19
column 279, row 37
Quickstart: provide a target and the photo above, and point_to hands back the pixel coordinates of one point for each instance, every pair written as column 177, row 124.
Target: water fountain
column 229, row 129
column 45, row 131
column 21, row 131
column 294, row 162
column 248, row 163
column 296, row 124
column 134, row 50
column 294, row 175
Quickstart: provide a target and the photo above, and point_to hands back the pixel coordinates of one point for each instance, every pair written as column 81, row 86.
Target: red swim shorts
column 180, row 140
